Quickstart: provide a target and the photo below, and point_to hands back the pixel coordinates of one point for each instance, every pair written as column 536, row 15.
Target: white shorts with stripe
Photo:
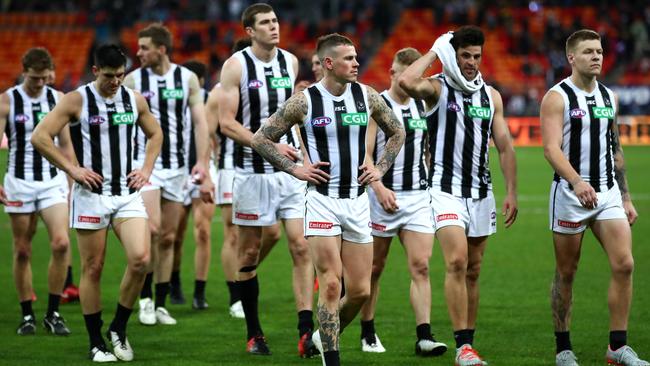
column 171, row 182
column 414, row 214
column 28, row 197
column 224, row 184
column 348, row 217
column 567, row 216
column 94, row 211
column 477, row 217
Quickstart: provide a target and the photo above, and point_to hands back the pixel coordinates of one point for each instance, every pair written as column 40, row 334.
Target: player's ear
column 95, row 70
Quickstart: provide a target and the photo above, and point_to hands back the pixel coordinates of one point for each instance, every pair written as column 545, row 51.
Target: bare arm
column 552, row 119
column 201, row 135
column 385, row 196
column 619, row 173
column 419, row 87
column 508, row 162
column 129, row 81
column 228, row 99
column 152, row 130
column 4, row 113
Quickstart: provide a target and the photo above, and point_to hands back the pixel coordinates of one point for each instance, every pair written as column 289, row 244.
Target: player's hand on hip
column 3, row 196
column 206, row 190
column 289, row 151
column 630, row 212
column 387, row 198
column 137, row 179
column 370, row 174
column 312, row 173
column 510, row 210
column 586, row 194
column 86, row 177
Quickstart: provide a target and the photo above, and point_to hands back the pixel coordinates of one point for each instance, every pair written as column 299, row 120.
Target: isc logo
column 417, row 124
column 321, row 121
column 577, row 113
column 123, row 118
column 172, row 93
column 280, row 83
column 603, row 112
column 255, row 84
column 479, row 112
column 354, row 119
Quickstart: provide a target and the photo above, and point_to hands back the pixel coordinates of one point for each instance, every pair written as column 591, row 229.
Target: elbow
column 404, row 83
column 548, row 152
column 36, row 140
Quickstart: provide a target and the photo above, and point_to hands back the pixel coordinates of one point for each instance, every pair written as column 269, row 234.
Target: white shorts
column 94, row 211
column 171, row 182
column 223, row 185
column 28, row 197
column 262, row 199
column 193, row 191
column 567, row 216
column 348, row 217
column 414, row 214
column 477, row 216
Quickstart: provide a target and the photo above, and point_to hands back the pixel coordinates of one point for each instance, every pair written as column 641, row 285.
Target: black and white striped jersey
column 589, row 120
column 409, row 170
column 167, row 96
column 25, row 113
column 103, row 137
column 334, row 131
column 460, row 129
column 191, row 143
column 263, row 88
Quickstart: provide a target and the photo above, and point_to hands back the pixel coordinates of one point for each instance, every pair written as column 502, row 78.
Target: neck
column 335, row 87
column 32, row 94
column 398, row 95
column 264, row 53
column 584, row 82
column 101, row 93
column 162, row 67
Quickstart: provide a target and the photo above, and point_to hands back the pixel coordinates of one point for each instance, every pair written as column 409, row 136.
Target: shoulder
column 553, row 97
column 231, row 70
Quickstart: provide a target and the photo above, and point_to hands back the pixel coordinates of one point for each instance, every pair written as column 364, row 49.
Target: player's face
column 469, row 60
column 35, row 80
column 109, row 79
column 149, row 54
column 266, row 29
column 316, row 67
column 343, row 63
column 587, row 57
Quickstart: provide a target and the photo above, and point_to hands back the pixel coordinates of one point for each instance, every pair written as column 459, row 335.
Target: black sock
column 305, row 322
column 26, row 307
column 122, row 315
column 462, row 337
column 368, row 328
column 423, row 331
column 562, row 341
column 332, row 358
column 68, row 278
column 250, row 290
column 94, row 328
column 176, row 278
column 617, row 339
column 162, row 290
column 146, row 287
column 471, row 335
column 199, row 289
column 53, row 304
column 233, row 289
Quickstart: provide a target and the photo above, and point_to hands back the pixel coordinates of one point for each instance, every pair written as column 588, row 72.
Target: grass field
column 514, row 326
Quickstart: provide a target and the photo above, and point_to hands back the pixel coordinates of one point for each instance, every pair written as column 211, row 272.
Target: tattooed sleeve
column 394, row 130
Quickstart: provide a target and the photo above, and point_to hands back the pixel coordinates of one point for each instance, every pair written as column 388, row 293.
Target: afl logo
column 321, row 121
column 255, row 84
column 148, row 94
column 577, row 113
column 21, row 118
column 453, row 106
column 96, row 120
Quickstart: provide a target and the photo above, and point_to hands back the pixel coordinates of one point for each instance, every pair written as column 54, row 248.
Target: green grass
column 514, row 325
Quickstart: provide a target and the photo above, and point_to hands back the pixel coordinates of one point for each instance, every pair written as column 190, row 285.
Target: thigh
column 134, row 235
column 357, row 264
column 170, row 215
column 55, row 220
column 380, row 247
column 567, row 250
column 295, row 229
column 326, row 254
column 418, row 246
column 476, row 249
column 453, row 243
column 203, row 212
column 615, row 236
column 23, row 226
column 151, row 200
column 92, row 244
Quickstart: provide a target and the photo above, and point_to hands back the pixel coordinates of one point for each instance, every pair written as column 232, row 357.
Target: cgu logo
column 255, row 84
column 21, row 118
column 172, row 93
column 123, row 118
column 603, row 112
column 354, row 119
column 479, row 112
column 321, row 121
column 453, row 106
column 417, row 124
column 280, row 83
column 40, row 116
column 577, row 113
column 96, row 120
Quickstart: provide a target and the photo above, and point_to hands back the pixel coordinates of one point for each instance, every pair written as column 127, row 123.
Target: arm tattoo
column 290, row 113
column 330, row 328
column 619, row 162
column 394, row 130
column 561, row 298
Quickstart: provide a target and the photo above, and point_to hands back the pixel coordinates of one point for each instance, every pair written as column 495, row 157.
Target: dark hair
column 196, row 67
column 240, row 44
column 159, row 34
column 407, row 56
column 109, row 55
column 467, row 35
column 330, row 41
column 248, row 16
column 579, row 36
column 37, row 58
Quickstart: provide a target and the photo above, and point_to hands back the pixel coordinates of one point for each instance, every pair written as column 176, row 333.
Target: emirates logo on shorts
column 569, row 224
column 243, row 216
column 14, row 204
column 320, row 225
column 89, row 219
column 378, row 227
column 449, row 216
column 227, row 194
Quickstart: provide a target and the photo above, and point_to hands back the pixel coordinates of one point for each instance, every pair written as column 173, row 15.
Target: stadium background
column 523, row 56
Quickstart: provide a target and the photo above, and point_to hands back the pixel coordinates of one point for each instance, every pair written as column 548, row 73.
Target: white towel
column 447, row 55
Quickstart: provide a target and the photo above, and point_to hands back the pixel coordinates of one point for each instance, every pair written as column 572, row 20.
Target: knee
column 167, row 239
column 378, row 268
column 140, row 263
column 331, row 286
column 624, row 266
column 60, row 246
column 154, row 229
column 357, row 294
column 473, row 272
column 567, row 273
column 420, row 269
column 92, row 270
column 250, row 256
column 457, row 265
column 23, row 252
column 273, row 235
column 203, row 235
column 299, row 249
